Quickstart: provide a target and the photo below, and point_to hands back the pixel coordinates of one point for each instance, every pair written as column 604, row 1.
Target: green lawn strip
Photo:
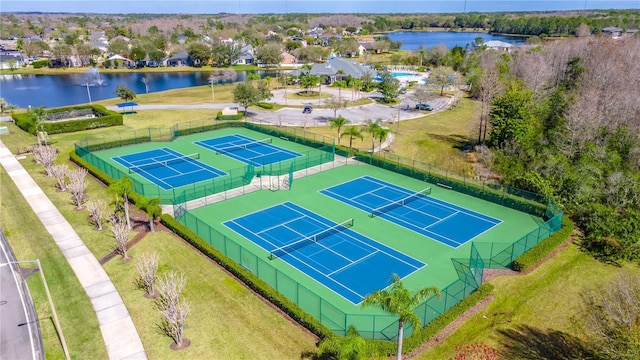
column 226, row 320
column 545, row 299
column 31, row 241
column 435, row 139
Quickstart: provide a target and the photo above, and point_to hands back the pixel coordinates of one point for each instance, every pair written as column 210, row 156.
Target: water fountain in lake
column 93, row 78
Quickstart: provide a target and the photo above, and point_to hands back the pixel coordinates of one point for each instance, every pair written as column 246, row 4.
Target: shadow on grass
column 526, row 342
column 457, row 141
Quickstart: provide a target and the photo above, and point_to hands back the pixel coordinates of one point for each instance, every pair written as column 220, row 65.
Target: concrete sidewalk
column 120, row 336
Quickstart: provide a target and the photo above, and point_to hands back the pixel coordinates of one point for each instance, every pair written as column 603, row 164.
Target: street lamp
column 88, row 91
column 53, row 309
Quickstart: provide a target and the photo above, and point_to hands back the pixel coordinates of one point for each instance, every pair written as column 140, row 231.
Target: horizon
column 256, row 7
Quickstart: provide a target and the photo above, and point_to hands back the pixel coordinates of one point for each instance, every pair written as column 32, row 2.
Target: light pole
column 88, row 91
column 53, row 309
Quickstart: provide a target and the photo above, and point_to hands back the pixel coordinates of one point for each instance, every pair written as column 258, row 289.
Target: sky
column 304, row 6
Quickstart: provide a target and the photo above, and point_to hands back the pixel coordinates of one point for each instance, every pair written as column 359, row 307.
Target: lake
column 414, row 40
column 70, row 89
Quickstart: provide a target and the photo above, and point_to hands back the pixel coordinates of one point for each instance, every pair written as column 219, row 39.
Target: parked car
column 307, row 109
column 424, row 107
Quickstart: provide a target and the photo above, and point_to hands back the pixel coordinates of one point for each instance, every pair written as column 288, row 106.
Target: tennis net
column 161, row 163
column 244, row 146
column 396, row 204
column 283, row 250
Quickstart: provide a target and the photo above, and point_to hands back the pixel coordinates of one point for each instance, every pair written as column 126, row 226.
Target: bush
column 267, row 106
column 40, row 63
column 542, row 249
column 104, row 118
column 239, row 116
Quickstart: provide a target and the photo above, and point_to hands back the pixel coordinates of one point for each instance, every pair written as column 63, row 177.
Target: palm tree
column 122, row 187
column 399, row 301
column 352, row 132
column 372, row 128
column 338, row 122
column 153, row 210
column 39, row 115
column 381, row 134
column 307, row 81
column 350, row 347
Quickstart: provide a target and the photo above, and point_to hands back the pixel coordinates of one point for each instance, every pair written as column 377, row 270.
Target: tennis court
column 248, row 150
column 168, row 168
column 350, row 264
column 444, row 222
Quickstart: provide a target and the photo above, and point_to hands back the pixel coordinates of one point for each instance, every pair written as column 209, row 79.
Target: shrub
column 40, row 63
column 543, row 248
column 238, row 116
column 104, row 118
column 264, row 105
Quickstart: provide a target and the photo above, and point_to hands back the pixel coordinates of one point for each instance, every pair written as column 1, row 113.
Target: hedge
column 105, row 118
column 40, row 63
column 543, row 248
column 238, row 116
column 265, row 105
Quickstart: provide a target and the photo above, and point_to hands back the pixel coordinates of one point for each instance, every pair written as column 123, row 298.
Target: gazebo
column 125, row 105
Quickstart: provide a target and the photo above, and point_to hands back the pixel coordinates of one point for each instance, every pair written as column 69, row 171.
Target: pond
column 414, row 40
column 78, row 88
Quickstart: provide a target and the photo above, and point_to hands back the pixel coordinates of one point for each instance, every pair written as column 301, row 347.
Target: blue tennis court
column 349, row 263
column 447, row 223
column 248, row 150
column 168, row 168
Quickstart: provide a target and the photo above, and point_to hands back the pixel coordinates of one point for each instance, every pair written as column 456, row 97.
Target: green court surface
column 317, row 299
column 238, row 172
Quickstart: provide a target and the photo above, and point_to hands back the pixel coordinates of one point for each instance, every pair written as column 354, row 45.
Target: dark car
column 424, row 107
column 307, row 109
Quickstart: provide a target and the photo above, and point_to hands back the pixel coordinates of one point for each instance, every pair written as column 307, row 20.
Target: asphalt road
column 20, row 336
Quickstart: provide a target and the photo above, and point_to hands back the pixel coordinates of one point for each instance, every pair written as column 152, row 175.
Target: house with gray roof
column 337, row 68
column 499, row 45
column 179, row 59
column 11, row 59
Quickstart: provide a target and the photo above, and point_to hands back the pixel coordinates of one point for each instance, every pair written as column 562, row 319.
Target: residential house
column 179, row 59
column 245, row 57
column 287, row 59
column 367, row 47
column 99, row 36
column 11, row 59
column 499, row 45
column 337, row 68
column 226, row 41
column 612, row 31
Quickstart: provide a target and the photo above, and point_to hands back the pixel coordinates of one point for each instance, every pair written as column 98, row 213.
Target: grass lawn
column 30, row 240
column 226, row 320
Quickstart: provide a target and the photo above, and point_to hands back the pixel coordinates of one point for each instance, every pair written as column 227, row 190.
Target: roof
column 127, row 104
column 497, row 44
column 183, row 55
column 334, row 65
